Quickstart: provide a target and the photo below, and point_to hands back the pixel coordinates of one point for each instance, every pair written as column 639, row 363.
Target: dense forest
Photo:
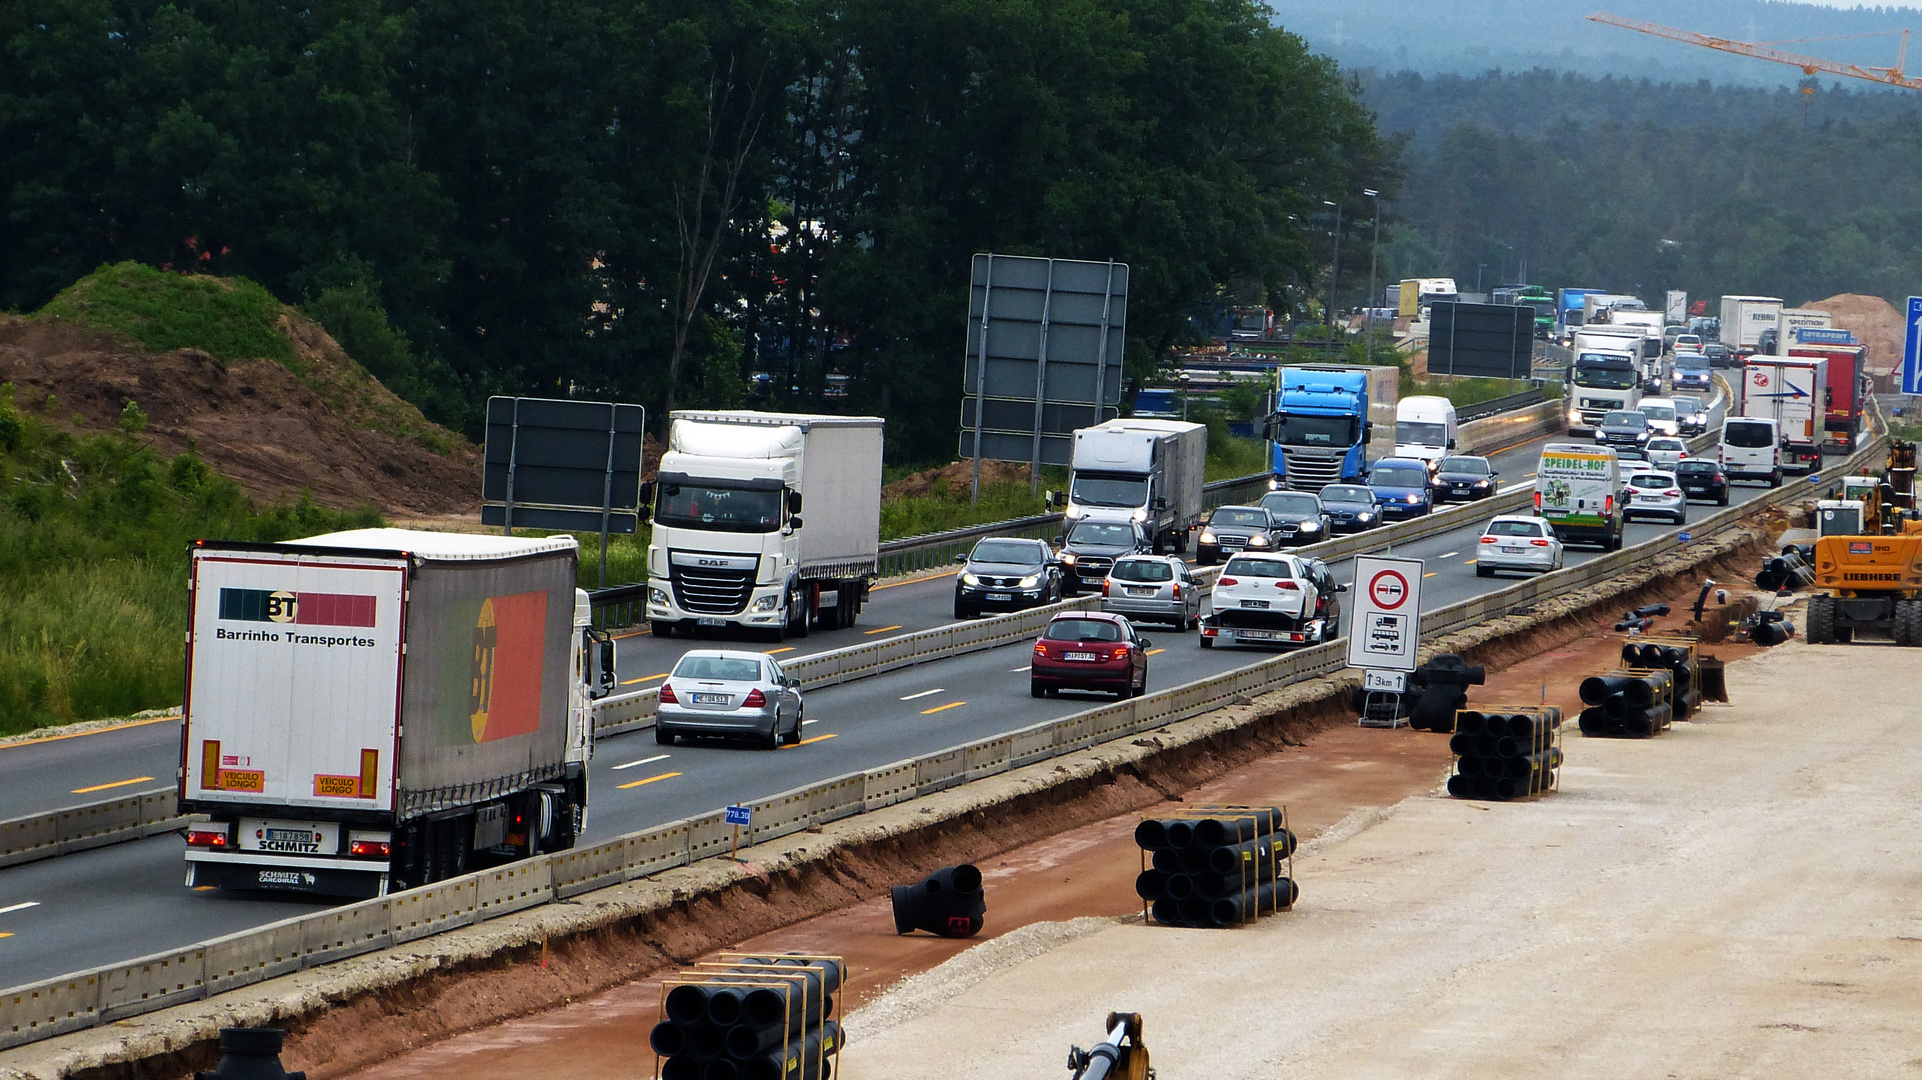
column 1642, row 187
column 663, row 200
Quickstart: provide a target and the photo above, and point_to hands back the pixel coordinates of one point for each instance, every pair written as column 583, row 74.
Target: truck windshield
column 1599, row 372
column 1297, row 430
column 1414, row 432
column 1748, row 436
column 1102, row 533
column 1109, row 491
column 717, row 507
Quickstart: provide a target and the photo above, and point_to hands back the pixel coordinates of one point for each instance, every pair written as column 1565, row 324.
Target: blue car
column 1402, row 487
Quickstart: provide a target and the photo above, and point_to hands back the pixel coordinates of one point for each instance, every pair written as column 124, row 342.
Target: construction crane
column 1810, row 65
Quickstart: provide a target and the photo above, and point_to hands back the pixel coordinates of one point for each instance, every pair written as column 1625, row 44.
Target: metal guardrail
column 101, row 995
column 1497, row 406
column 621, row 605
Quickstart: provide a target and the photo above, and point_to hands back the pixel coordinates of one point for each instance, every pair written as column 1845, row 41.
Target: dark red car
column 1090, row 650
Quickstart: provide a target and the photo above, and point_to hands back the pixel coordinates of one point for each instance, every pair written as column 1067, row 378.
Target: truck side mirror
column 795, row 523
column 1451, row 444
column 1161, row 504
column 1051, row 498
column 794, row 504
column 644, row 508
column 1368, row 431
column 608, row 677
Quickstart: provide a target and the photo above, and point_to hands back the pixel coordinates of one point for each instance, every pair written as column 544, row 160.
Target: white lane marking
column 643, row 761
column 1515, row 487
column 1030, row 667
column 922, row 694
column 805, row 723
column 19, row 907
column 1448, row 554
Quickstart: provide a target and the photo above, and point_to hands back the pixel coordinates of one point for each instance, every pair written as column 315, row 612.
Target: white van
column 1425, row 429
column 1752, row 449
column 1661, row 415
column 1578, row 491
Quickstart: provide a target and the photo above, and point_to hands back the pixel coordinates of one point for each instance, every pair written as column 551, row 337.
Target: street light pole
column 1374, row 257
column 1334, row 272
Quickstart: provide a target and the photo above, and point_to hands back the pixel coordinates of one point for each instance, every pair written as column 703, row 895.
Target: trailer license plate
column 1080, row 656
column 711, row 699
column 298, row 836
column 1257, row 635
column 1001, row 596
column 1254, row 603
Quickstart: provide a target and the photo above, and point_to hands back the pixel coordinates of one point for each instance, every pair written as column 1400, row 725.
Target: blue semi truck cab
column 1319, row 429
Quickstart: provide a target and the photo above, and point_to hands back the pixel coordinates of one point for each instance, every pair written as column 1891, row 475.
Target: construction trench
column 1046, row 836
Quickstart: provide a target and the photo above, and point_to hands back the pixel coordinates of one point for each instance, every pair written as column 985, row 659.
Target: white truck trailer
column 1146, row 471
column 1793, row 392
column 372, row 710
column 1746, row 318
column 732, row 546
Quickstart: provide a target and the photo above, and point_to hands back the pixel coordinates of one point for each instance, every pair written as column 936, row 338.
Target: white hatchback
column 1518, row 542
column 1666, row 452
column 1655, row 494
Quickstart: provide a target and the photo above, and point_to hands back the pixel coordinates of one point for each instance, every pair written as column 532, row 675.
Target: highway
column 115, row 903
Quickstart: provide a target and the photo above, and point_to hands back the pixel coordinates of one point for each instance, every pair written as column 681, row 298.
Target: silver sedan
column 1518, row 542
column 1152, row 587
column 723, row 692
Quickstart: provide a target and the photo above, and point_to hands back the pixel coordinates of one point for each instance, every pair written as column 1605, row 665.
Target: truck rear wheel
column 1821, row 620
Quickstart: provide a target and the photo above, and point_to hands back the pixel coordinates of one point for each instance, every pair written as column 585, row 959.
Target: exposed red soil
column 1876, row 324
column 959, row 476
column 339, row 435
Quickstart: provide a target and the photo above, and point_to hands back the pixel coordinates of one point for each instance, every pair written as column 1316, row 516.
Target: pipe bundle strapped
column 1676, row 655
column 751, row 1018
column 1216, row 866
column 1629, row 702
column 1506, row 752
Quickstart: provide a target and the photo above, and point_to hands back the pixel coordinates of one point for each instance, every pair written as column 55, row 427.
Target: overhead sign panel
column 556, row 464
column 1494, row 341
column 1043, row 357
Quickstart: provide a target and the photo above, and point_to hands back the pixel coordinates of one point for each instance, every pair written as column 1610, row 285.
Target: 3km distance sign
column 1387, row 617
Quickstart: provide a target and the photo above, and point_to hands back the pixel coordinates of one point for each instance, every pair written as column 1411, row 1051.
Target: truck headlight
column 1141, row 514
column 656, row 596
column 767, row 603
column 1574, row 416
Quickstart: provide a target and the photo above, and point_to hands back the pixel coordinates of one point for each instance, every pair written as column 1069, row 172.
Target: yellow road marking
column 95, row 731
column 779, row 651
column 1468, row 562
column 646, row 678
column 943, row 708
column 816, row 738
column 631, row 633
column 1431, row 573
column 204, row 888
column 916, row 581
column 1151, row 652
column 649, row 780
column 5, row 934
column 883, row 630
column 115, row 784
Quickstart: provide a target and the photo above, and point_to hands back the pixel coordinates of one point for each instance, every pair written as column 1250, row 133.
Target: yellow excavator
column 1868, row 557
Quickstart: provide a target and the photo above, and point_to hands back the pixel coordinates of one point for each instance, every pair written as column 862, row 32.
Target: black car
column 1088, row 551
column 1351, row 508
column 1691, row 416
column 1465, row 478
column 1719, row 355
column 1231, row 529
column 1623, row 427
column 1005, row 574
column 1702, row 480
column 1299, row 518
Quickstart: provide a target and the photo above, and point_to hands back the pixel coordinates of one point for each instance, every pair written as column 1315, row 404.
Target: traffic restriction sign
column 1387, row 623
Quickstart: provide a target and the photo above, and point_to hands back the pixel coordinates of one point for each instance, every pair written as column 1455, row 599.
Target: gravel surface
column 1734, row 898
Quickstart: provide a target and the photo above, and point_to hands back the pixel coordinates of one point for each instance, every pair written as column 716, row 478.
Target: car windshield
column 1667, row 444
column 723, row 509
column 1696, row 467
column 718, row 668
column 1658, row 412
column 1262, row 568
column 1514, row 528
column 1344, row 493
column 1748, row 436
column 1006, row 551
column 1687, row 405
column 1103, row 533
column 1399, row 476
column 1472, row 466
column 1231, row 516
column 1652, row 480
column 1297, row 430
column 1083, row 630
column 1292, row 504
column 1142, row 570
column 1421, row 434
column 1625, row 419
column 1109, row 491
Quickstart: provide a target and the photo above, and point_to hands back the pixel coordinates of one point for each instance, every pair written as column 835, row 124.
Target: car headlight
column 1031, row 581
column 1365, row 515
column 1258, row 541
column 969, row 579
column 767, row 603
column 656, row 596
column 1207, row 537
column 1067, row 558
column 1414, row 500
column 1481, row 483
column 1311, row 526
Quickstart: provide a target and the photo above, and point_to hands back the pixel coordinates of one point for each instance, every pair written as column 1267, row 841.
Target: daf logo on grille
column 712, row 562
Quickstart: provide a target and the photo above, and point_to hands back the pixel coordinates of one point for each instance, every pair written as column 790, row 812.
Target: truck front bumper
column 287, row 873
column 763, row 611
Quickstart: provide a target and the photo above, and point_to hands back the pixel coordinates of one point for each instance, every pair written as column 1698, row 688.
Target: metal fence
column 1497, row 406
column 102, row 995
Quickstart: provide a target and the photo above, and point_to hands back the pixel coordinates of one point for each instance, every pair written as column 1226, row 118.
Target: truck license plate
column 711, row 699
column 1080, row 656
column 1254, row 603
column 1000, row 596
column 711, row 622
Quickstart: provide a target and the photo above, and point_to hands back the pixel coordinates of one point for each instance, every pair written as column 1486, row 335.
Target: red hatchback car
column 1090, row 650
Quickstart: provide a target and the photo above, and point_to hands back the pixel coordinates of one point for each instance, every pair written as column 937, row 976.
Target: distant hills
column 1473, row 36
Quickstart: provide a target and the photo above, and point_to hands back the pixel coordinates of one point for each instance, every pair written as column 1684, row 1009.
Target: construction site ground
column 1729, row 898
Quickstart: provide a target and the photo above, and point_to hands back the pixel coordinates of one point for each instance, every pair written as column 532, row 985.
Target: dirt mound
column 959, row 477
column 1876, row 324
column 333, row 430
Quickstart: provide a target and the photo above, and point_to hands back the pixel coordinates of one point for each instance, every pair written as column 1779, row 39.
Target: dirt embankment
column 959, row 476
column 1876, row 324
column 337, row 433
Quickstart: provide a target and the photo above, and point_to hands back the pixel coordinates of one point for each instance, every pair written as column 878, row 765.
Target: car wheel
column 794, row 736
column 1207, row 643
column 1054, row 691
column 1681, row 517
column 1484, row 571
column 662, row 736
column 1724, row 500
column 772, row 740
column 962, row 611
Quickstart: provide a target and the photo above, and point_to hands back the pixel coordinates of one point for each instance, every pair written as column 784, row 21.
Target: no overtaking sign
column 1387, row 617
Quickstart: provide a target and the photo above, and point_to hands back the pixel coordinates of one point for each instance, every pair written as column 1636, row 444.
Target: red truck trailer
column 1848, row 387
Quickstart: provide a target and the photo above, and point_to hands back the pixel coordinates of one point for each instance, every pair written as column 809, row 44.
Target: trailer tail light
column 755, row 699
column 207, row 838
column 370, row 849
column 667, row 695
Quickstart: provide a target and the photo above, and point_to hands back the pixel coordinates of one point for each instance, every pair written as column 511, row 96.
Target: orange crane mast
column 1810, row 65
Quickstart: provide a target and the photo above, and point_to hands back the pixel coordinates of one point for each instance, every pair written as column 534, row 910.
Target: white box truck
column 1783, row 339
column 769, row 522
column 1746, row 318
column 1793, row 392
column 1146, row 471
column 372, row 710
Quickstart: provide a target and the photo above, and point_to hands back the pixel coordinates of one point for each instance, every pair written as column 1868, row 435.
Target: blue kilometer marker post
column 1912, row 349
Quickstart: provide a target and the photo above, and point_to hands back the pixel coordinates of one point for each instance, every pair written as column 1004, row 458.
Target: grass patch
column 229, row 318
column 944, row 508
column 1462, row 392
column 93, row 566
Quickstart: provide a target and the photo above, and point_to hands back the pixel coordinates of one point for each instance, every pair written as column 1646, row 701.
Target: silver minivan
column 724, row 692
column 1154, row 587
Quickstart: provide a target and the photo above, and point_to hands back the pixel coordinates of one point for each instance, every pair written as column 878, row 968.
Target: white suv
column 1273, row 600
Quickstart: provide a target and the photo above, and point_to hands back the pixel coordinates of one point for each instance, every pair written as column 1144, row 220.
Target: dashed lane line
column 649, row 780
column 643, row 761
column 943, row 708
column 115, row 784
column 924, row 693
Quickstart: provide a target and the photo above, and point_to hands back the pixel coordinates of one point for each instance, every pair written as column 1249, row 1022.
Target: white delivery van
column 1578, row 490
column 1661, row 415
column 1752, row 449
column 1425, row 429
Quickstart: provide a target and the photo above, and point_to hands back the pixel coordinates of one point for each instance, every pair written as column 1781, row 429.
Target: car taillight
column 1289, row 585
column 370, row 849
column 1608, row 505
column 755, row 699
column 1671, row 492
column 1539, row 543
column 1489, row 540
column 1227, row 581
column 1177, row 590
column 1104, row 586
column 667, row 695
column 1538, row 502
column 1041, row 648
column 1120, row 653
column 207, row 838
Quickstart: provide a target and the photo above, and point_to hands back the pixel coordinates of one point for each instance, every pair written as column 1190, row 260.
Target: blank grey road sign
column 1044, row 352
column 555, row 464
